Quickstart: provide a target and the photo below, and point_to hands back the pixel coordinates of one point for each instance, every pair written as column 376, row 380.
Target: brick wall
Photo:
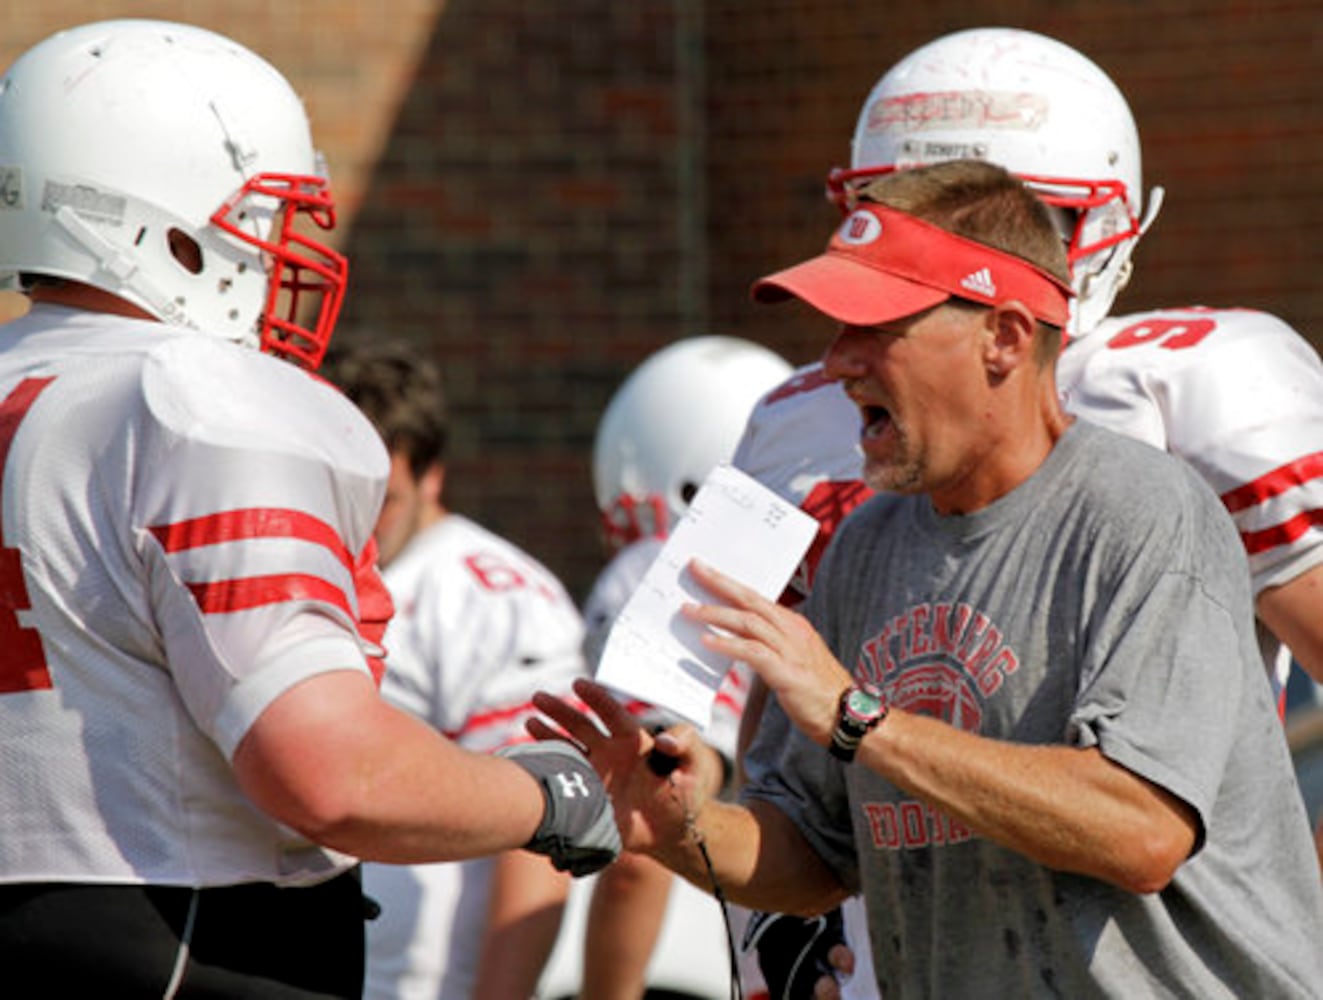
column 523, row 227
column 543, row 193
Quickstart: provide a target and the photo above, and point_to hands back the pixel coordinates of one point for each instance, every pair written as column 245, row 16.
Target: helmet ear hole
column 185, row 250
column 687, row 491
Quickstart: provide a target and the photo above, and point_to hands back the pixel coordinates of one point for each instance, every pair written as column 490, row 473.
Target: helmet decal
column 1036, row 107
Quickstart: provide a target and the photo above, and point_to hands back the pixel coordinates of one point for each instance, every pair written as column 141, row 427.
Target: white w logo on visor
column 860, row 228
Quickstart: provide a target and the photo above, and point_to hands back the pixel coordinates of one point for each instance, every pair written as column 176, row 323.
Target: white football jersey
column 802, row 442
column 181, row 521
column 1239, row 395
column 479, row 626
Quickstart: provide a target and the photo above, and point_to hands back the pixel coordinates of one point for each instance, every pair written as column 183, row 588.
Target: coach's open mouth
column 876, row 420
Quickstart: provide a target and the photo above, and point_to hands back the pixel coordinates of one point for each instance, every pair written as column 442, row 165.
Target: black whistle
column 661, row 764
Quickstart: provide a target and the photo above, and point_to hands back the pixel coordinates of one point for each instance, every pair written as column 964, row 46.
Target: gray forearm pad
column 578, row 829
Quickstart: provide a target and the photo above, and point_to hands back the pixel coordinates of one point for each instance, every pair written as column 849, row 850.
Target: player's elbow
column 319, row 804
column 325, row 813
column 325, row 818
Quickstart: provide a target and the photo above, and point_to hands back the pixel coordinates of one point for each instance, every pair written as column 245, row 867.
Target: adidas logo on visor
column 980, row 283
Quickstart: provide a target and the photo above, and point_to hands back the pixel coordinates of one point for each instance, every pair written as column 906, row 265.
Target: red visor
column 884, row 265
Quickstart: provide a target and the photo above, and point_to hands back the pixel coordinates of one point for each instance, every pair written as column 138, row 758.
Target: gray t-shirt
column 1104, row 602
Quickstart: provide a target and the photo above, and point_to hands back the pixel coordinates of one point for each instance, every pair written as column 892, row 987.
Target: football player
column 195, row 752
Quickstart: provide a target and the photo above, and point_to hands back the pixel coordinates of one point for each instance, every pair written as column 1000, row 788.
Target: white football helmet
column 1036, row 107
column 174, row 168
column 677, row 416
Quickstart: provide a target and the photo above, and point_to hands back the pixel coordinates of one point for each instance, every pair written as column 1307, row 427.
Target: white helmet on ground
column 1036, row 107
column 676, row 417
column 172, row 167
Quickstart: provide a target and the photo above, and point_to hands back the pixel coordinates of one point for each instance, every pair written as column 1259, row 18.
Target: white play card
column 741, row 528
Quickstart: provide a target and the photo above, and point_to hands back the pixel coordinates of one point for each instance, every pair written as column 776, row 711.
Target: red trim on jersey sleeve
column 253, row 522
column 375, row 608
column 1281, row 534
column 497, row 716
column 1286, row 477
column 226, row 596
column 246, row 593
column 1276, row 482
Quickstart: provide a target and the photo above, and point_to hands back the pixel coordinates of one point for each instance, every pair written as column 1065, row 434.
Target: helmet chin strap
column 1155, row 197
column 123, row 267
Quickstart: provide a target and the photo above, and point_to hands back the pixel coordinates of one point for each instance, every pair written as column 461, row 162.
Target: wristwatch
column 862, row 708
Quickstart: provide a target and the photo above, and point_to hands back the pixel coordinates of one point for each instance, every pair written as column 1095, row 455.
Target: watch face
column 863, row 704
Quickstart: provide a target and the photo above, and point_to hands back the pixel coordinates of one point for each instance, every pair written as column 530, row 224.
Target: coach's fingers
column 579, row 727
column 683, row 745
column 681, row 740
column 614, row 715
column 727, row 588
column 539, row 730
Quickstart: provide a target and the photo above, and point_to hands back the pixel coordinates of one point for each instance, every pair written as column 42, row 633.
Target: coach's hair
column 983, row 202
column 400, row 391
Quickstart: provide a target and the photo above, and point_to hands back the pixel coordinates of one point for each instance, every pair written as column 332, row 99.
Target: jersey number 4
column 22, row 659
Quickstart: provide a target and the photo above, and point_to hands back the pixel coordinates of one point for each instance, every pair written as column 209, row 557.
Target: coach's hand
column 654, row 799
column 578, row 829
column 779, row 645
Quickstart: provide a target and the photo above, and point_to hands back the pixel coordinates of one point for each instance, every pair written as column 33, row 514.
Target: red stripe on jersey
column 253, row 522
column 226, row 596
column 1281, row 534
column 1278, row 481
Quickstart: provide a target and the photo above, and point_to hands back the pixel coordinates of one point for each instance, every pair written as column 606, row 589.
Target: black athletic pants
column 255, row 942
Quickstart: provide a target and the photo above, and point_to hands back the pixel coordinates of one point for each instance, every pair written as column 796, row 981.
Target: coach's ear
column 1010, row 339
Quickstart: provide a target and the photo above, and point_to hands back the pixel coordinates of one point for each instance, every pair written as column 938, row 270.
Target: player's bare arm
column 1065, row 807
column 333, row 760
column 1294, row 613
